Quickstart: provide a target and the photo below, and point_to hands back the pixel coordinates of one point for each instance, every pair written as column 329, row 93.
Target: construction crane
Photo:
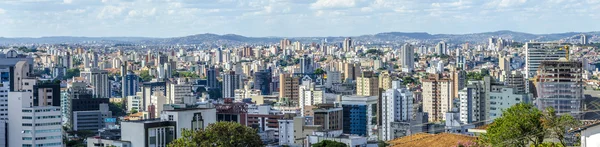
column 566, row 48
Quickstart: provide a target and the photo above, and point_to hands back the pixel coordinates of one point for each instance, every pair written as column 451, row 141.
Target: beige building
column 289, row 87
column 351, row 71
column 437, row 96
column 459, row 78
column 367, row 85
column 385, row 80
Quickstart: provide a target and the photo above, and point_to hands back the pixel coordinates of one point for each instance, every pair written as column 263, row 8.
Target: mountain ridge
column 211, row 38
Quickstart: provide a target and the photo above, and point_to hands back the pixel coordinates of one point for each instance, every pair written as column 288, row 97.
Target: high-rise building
column 333, row 77
column 536, row 53
column 31, row 125
column 328, row 117
column 367, row 85
column 306, row 65
column 516, row 80
column 285, row 43
column 98, row 79
column 407, row 56
column 472, row 103
column 310, row 95
column 440, row 48
column 180, row 92
column 13, row 69
column 351, row 71
column 130, row 84
column 459, row 78
column 355, row 108
column 559, row 85
column 231, row 82
column 288, row 87
column 262, row 81
column 397, row 106
column 148, row 90
column 211, row 77
column 584, row 39
column 437, row 96
column 347, row 44
column 385, row 80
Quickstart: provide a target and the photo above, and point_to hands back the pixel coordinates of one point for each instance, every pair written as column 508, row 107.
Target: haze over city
column 290, row 18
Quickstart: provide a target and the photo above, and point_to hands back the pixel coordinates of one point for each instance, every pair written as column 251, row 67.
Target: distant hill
column 233, row 39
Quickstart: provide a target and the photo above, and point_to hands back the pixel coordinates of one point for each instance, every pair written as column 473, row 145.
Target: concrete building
column 211, row 76
column 190, row 118
column 180, row 92
column 262, row 81
column 134, row 102
column 149, row 133
column 333, row 77
column 149, row 89
column 473, row 102
column 286, row 132
column 328, row 117
column 502, row 98
column 385, row 80
column 288, row 87
column 355, row 108
column 459, row 79
column 31, row 125
column 98, row 79
column 516, row 80
column 91, row 120
column 559, row 84
column 98, row 142
column 397, row 106
column 437, row 96
column 535, row 53
column 306, row 65
column 367, row 85
column 14, row 67
column 407, row 54
column 310, row 95
column 349, row 140
column 231, row 82
column 131, row 85
column 265, row 119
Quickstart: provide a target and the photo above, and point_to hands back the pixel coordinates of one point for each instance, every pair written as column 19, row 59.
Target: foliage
column 557, row 126
column 374, row 51
column 475, row 76
column 26, row 50
column 549, row 144
column 329, row 143
column 228, row 134
column 382, row 143
column 215, row 94
column 296, row 61
column 117, row 109
column 186, row 74
column 409, row 80
column 134, row 111
column 319, row 71
column 519, row 125
column 145, row 76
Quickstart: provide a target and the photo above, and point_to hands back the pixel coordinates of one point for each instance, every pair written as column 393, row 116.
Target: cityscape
column 177, row 73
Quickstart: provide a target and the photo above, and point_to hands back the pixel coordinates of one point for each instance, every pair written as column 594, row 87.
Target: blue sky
column 291, row 18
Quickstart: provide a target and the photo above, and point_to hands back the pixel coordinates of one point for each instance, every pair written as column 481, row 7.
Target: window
column 26, row 111
column 26, row 138
column 26, row 83
column 170, row 117
column 26, row 124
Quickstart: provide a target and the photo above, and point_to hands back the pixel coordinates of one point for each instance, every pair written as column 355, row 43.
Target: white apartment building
column 310, row 95
column 397, row 106
column 33, row 126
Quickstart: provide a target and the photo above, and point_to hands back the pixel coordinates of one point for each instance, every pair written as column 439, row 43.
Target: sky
column 291, row 18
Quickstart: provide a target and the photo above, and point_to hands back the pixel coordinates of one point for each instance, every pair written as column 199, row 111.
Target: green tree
column 145, row 76
column 329, row 143
column 319, row 71
column 519, row 126
column 225, row 134
column 382, row 143
column 72, row 73
column 557, row 126
column 117, row 109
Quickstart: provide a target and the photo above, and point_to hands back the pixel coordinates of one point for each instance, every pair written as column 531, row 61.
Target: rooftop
column 431, row 140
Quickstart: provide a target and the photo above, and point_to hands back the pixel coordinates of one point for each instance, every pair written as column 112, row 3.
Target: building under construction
column 559, row 84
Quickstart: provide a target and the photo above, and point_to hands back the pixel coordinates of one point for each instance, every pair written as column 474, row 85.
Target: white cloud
column 2, row 11
column 505, row 3
column 67, row 1
column 110, row 12
column 324, row 4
